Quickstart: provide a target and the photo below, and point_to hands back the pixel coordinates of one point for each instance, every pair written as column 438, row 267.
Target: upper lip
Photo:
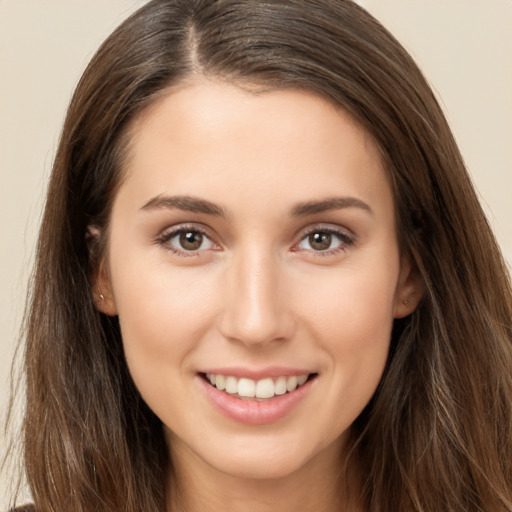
column 258, row 373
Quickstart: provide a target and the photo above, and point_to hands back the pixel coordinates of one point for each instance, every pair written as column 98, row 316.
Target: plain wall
column 463, row 46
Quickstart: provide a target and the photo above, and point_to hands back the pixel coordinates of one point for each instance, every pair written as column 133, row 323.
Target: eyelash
column 166, row 236
column 346, row 240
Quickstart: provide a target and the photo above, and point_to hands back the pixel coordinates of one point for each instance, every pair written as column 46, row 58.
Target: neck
column 318, row 486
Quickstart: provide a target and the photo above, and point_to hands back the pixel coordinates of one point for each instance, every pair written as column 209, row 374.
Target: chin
column 262, row 466
column 268, row 457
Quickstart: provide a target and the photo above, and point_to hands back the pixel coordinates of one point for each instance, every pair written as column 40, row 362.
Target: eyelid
column 347, row 237
column 170, row 232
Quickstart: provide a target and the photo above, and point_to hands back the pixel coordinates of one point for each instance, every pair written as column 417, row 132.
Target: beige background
column 464, row 47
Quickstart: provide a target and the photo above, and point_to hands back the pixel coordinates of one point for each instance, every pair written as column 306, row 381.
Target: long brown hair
column 437, row 435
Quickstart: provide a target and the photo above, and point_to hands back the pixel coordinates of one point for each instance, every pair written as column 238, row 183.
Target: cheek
column 163, row 316
column 352, row 306
column 351, row 319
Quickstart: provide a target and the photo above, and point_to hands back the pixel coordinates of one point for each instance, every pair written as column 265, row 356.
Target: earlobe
column 101, row 286
column 102, row 291
column 409, row 291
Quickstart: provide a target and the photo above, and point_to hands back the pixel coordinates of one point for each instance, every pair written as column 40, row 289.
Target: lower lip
column 252, row 412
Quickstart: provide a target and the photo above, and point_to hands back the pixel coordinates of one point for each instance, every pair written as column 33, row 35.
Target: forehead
column 206, row 136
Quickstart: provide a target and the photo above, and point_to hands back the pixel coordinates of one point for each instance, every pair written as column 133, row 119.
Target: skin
column 257, row 293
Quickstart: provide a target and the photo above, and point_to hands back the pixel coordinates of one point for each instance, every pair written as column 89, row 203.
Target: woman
column 263, row 278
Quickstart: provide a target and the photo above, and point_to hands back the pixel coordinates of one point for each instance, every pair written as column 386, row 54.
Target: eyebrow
column 196, row 205
column 333, row 203
column 185, row 203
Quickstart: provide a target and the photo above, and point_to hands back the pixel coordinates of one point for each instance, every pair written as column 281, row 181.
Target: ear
column 99, row 274
column 409, row 291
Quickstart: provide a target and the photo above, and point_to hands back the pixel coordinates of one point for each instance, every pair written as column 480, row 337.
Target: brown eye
column 325, row 241
column 191, row 240
column 186, row 241
column 320, row 241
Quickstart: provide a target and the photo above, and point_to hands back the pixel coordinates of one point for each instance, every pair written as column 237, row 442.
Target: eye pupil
column 191, row 240
column 320, row 241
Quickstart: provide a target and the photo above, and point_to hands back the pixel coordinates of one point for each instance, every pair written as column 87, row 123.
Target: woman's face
column 253, row 241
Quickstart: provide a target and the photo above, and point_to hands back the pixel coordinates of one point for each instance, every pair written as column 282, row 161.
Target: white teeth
column 265, row 388
column 300, row 380
column 291, row 383
column 246, row 387
column 220, row 382
column 280, row 386
column 261, row 389
column 231, row 385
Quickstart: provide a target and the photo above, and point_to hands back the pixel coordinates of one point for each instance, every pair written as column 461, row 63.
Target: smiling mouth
column 257, row 390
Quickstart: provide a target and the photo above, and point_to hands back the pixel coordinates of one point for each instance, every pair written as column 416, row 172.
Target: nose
column 255, row 309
